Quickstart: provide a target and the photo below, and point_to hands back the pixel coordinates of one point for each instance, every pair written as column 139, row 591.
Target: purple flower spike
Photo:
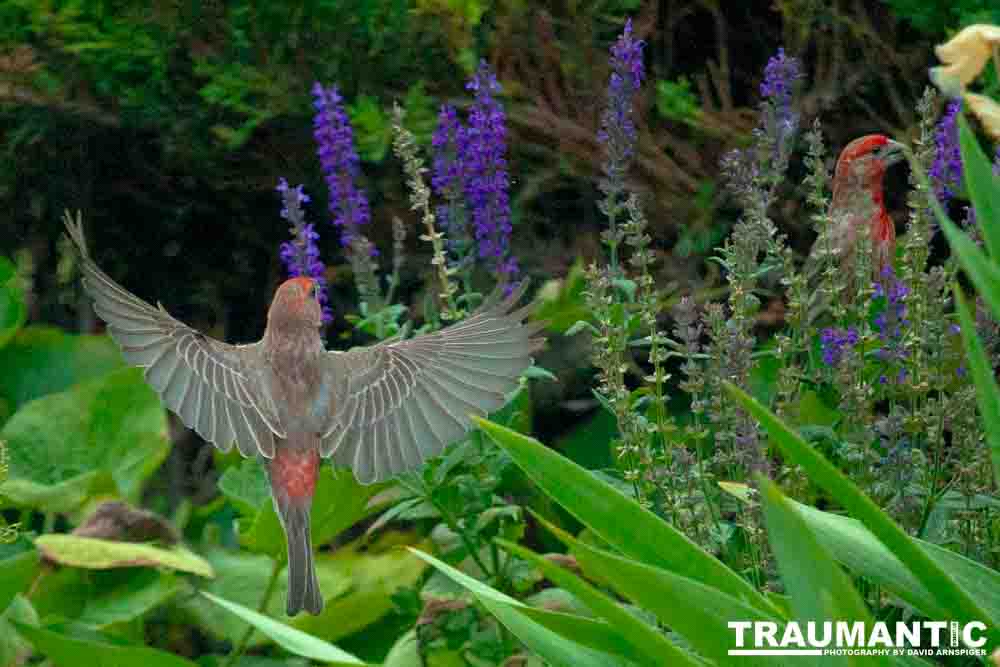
column 946, row 170
column 618, row 133
column 484, row 165
column 301, row 254
column 339, row 161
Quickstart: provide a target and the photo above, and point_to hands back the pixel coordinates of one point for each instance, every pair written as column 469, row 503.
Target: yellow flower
column 988, row 112
column 965, row 55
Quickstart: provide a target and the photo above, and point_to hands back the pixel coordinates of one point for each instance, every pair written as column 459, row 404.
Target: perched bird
column 380, row 410
column 858, row 204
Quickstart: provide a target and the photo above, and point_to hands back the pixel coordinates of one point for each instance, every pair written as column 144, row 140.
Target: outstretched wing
column 215, row 388
column 396, row 404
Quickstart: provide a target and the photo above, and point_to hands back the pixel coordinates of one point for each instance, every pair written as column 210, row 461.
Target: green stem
column 241, row 646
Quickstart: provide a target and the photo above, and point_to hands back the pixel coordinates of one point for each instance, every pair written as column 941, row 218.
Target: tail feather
column 303, row 587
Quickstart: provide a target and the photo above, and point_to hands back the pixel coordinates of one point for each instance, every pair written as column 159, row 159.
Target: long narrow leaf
column 697, row 612
column 555, row 649
column 618, row 520
column 819, row 589
column 649, row 646
column 951, row 597
column 987, row 392
column 983, row 187
column 291, row 639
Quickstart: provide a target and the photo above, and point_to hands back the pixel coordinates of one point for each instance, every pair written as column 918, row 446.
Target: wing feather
column 396, row 404
column 215, row 388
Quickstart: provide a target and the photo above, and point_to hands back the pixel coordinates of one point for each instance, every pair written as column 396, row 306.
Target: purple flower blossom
column 301, row 255
column 450, row 144
column 946, row 170
column 339, row 161
column 780, row 120
column 834, row 342
column 892, row 320
column 484, row 164
column 618, row 133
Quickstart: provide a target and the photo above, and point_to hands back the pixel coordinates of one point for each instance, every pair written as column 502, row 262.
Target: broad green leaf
column 141, row 591
column 983, row 187
column 954, row 600
column 620, row 521
column 292, row 640
column 113, row 423
column 987, row 391
column 375, row 571
column 42, row 360
column 819, row 589
column 96, row 554
column 61, row 498
column 245, row 484
column 693, row 610
column 16, row 573
column 645, row 644
column 861, row 552
column 242, row 577
column 68, row 645
column 555, row 649
column 13, row 312
column 561, row 302
column 12, row 644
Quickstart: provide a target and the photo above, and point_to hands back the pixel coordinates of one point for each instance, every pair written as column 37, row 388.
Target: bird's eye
column 314, row 291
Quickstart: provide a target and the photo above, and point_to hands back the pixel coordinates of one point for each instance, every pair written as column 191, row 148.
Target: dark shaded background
column 170, row 123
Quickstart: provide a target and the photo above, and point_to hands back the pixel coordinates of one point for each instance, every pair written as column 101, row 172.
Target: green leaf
column 985, row 274
column 861, row 552
column 141, row 591
column 954, row 600
column 561, row 302
column 290, row 639
column 41, row 360
column 61, row 498
column 819, row 589
column 245, row 484
column 983, row 187
column 374, row 572
column 16, row 573
column 113, row 423
column 514, row 615
column 13, row 311
column 620, row 521
column 12, row 644
column 987, row 391
column 645, row 644
column 97, row 554
column 68, row 645
column 703, row 617
column 340, row 501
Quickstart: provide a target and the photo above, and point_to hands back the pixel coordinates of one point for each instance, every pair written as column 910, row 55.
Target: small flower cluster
column 339, row 161
column 892, row 321
column 301, row 254
column 781, row 122
column 834, row 342
column 946, row 170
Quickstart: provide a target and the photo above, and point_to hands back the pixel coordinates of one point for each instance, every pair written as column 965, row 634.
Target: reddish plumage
column 286, row 400
column 858, row 202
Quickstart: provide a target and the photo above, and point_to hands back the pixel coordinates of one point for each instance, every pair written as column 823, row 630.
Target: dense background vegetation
column 169, row 124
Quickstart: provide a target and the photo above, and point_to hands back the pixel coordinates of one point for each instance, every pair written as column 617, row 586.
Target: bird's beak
column 894, row 153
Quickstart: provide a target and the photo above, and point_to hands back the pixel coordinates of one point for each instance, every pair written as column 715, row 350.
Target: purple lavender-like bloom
column 301, row 254
column 780, row 120
column 339, row 161
column 450, row 144
column 946, row 170
column 834, row 342
column 618, row 133
column 485, row 166
column 892, row 320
